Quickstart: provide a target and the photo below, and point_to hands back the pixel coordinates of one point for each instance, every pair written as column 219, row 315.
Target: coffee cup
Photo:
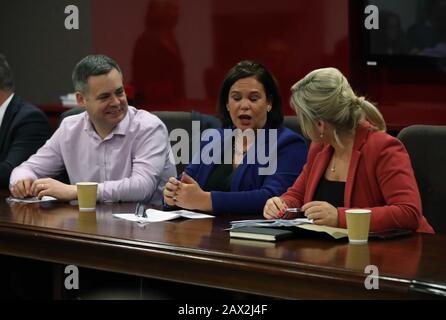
column 86, row 195
column 358, row 224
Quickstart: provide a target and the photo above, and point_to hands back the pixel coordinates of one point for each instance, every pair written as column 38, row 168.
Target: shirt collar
column 120, row 129
column 7, row 101
column 3, row 108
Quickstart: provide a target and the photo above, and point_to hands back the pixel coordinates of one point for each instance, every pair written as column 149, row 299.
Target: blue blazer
column 249, row 190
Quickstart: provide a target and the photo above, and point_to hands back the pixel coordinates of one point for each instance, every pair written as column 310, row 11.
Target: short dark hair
column 6, row 77
column 247, row 69
column 92, row 65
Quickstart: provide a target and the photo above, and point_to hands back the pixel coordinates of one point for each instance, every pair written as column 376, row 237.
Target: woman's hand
column 321, row 212
column 170, row 191
column 189, row 195
column 274, row 208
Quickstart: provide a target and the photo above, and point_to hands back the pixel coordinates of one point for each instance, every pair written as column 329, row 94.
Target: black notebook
column 261, row 233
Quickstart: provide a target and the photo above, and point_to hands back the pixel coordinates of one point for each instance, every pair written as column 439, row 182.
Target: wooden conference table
column 200, row 252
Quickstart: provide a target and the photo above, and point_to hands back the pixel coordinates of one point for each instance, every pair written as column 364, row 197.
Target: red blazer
column 380, row 177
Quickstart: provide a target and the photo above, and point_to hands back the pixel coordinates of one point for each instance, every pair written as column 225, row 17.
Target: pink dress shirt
column 133, row 163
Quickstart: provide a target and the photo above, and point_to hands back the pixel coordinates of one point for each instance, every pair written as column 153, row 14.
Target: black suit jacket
column 24, row 129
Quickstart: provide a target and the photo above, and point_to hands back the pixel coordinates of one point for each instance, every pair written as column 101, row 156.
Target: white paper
column 31, row 199
column 158, row 215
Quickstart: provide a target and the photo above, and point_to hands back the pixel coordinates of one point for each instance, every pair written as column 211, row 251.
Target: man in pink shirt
column 125, row 150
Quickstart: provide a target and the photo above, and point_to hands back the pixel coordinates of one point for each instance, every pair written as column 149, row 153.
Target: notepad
column 269, row 223
column 261, row 233
column 301, row 223
column 159, row 216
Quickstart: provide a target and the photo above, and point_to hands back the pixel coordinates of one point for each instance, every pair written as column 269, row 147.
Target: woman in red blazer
column 352, row 162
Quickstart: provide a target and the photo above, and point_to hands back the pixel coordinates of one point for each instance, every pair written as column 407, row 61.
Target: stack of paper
column 30, row 199
column 303, row 223
column 269, row 223
column 69, row 100
column 153, row 215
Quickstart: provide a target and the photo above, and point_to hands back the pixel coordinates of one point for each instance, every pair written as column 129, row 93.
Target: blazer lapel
column 240, row 170
column 7, row 120
column 354, row 161
column 206, row 170
column 360, row 139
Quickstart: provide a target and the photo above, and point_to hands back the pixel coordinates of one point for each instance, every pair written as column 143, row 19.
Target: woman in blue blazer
column 254, row 158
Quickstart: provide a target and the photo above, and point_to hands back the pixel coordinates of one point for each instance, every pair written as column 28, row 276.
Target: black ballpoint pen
column 140, row 210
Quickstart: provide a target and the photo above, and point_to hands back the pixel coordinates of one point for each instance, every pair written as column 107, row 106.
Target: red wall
column 176, row 52
column 187, row 46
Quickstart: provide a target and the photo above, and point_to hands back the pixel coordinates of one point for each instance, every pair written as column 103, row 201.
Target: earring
column 321, row 135
column 268, row 108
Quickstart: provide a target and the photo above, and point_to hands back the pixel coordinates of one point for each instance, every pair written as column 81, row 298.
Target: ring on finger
column 174, row 198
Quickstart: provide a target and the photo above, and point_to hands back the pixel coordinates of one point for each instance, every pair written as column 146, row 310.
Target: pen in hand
column 291, row 213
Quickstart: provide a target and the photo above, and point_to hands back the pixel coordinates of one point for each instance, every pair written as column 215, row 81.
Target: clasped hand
column 186, row 193
column 44, row 187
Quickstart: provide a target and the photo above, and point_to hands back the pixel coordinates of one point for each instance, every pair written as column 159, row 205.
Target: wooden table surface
column 200, row 252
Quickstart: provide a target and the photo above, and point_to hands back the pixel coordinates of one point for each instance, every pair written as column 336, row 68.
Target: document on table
column 269, row 223
column 153, row 215
column 336, row 233
column 30, row 199
column 303, row 223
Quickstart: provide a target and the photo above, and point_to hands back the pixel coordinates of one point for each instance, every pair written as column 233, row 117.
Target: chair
column 426, row 147
column 292, row 123
column 180, row 119
column 71, row 112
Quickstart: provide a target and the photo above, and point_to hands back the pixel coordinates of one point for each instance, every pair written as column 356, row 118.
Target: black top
column 331, row 192
column 220, row 179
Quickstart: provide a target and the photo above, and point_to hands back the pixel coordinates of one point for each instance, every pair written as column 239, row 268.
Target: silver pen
column 292, row 213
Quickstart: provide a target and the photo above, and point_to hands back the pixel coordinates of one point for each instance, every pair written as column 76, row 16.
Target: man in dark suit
column 23, row 127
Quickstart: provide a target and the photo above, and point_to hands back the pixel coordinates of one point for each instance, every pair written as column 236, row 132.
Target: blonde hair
column 325, row 94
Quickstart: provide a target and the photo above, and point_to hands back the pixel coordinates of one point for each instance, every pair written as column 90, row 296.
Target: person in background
column 125, row 150
column 23, row 127
column 249, row 100
column 390, row 38
column 352, row 162
column 157, row 62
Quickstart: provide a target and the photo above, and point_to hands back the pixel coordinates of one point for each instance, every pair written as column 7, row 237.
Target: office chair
column 292, row 123
column 183, row 120
column 426, row 146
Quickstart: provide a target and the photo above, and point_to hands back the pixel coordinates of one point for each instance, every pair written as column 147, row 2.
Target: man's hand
column 54, row 188
column 22, row 188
